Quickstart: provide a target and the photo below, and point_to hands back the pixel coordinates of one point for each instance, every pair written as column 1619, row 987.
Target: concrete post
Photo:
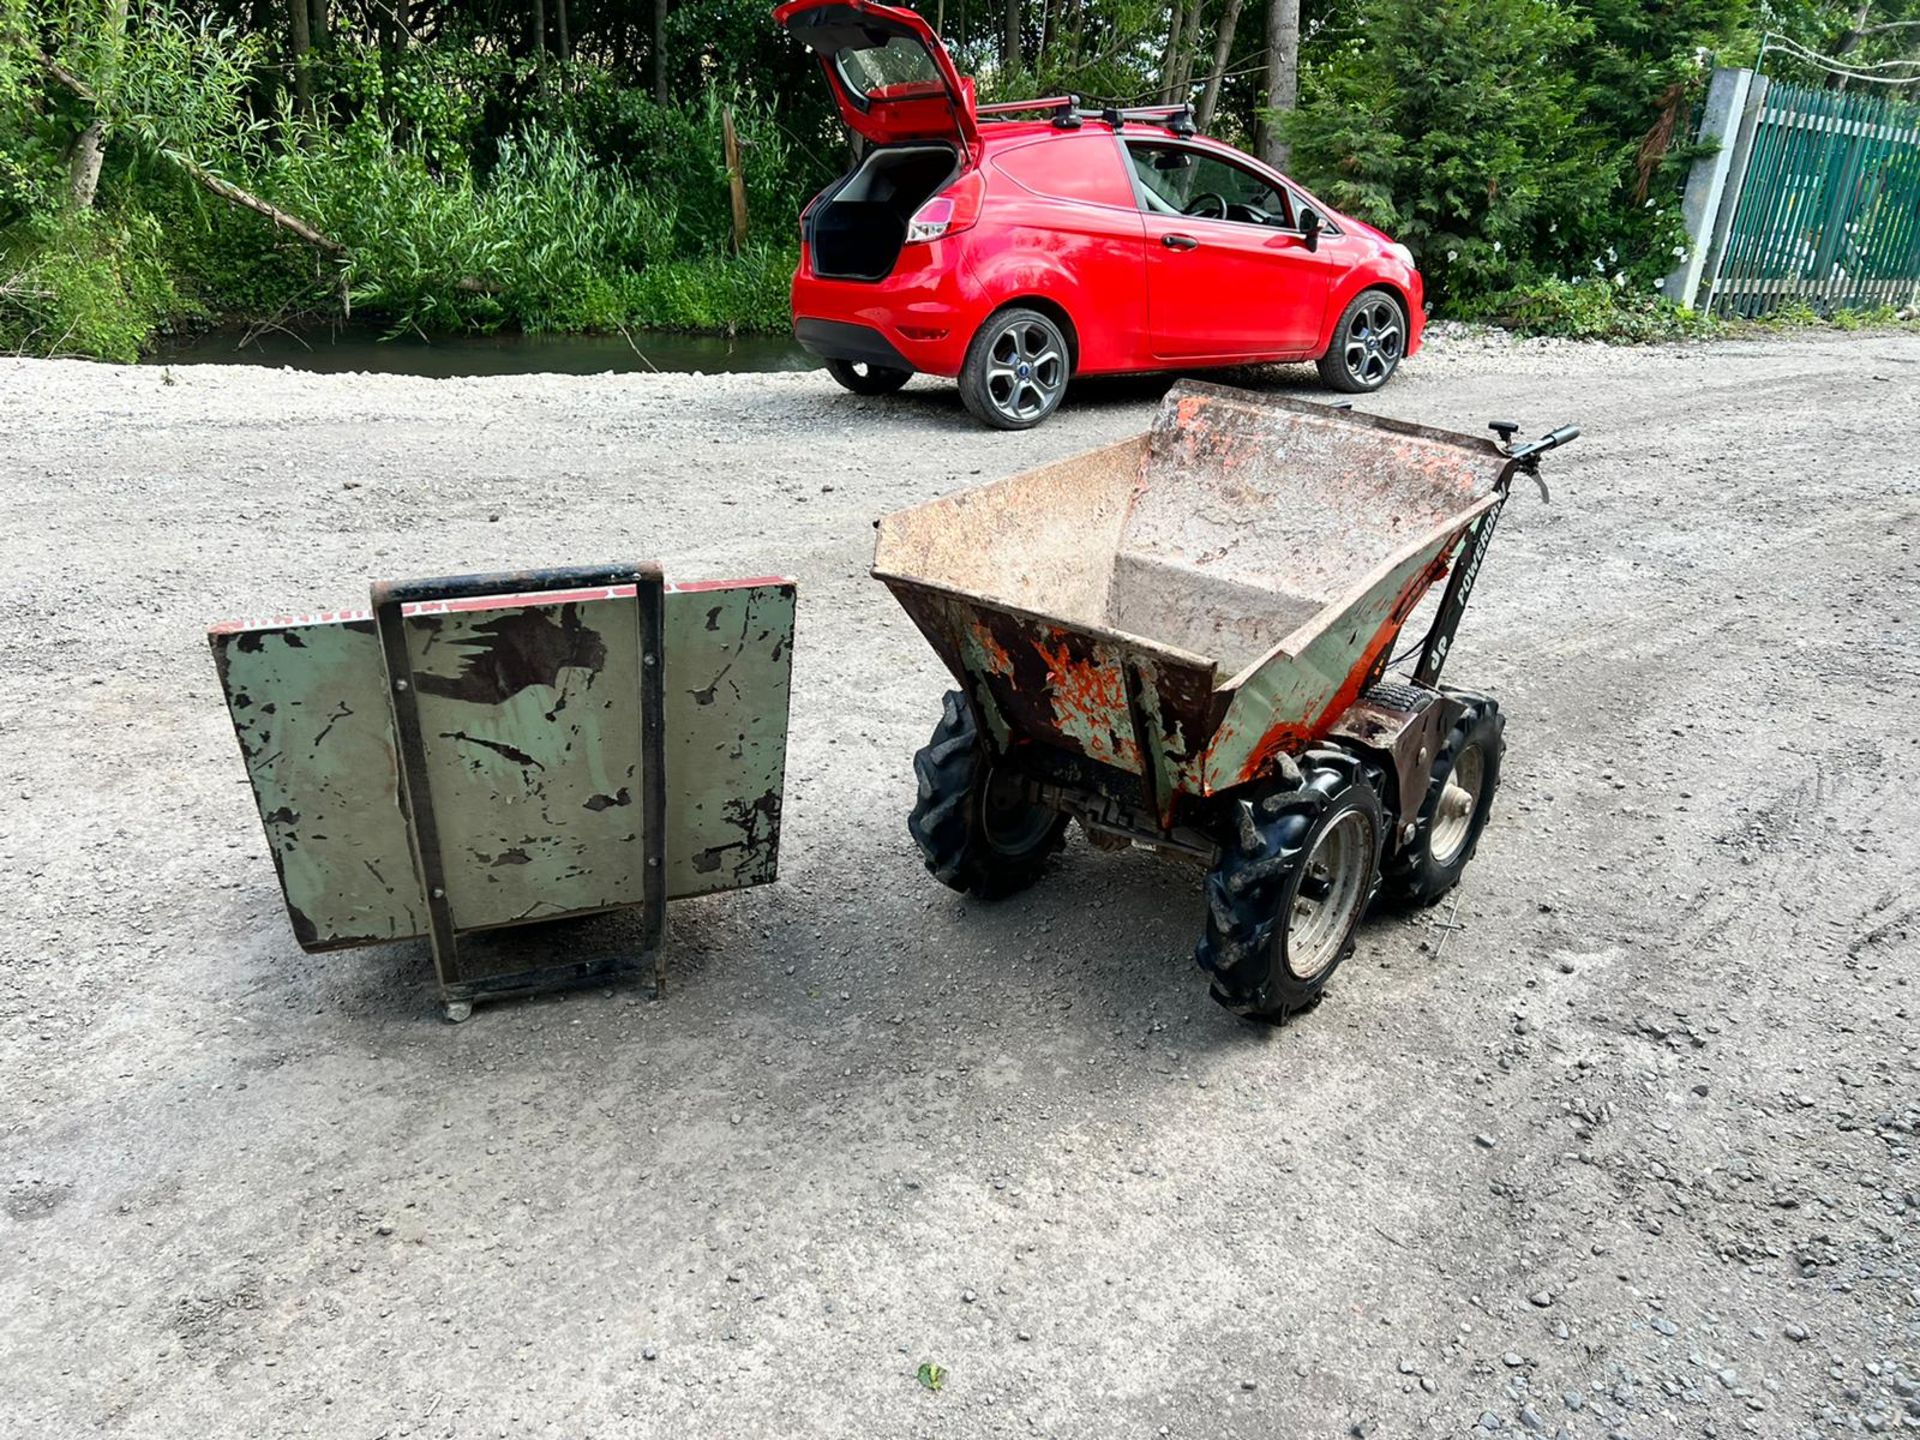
column 1707, row 181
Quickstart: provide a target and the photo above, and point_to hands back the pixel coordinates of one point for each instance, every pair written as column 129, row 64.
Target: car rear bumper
column 919, row 318
column 843, row 340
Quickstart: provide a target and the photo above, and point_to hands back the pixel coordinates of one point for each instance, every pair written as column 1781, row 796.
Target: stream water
column 347, row 348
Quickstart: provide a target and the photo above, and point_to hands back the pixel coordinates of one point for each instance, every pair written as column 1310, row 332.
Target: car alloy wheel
column 1026, row 370
column 1376, row 338
column 1016, row 369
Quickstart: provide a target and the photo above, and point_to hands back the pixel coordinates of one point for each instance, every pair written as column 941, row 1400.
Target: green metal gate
column 1818, row 201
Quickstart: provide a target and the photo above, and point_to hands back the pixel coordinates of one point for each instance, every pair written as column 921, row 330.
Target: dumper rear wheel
column 1284, row 898
column 1459, row 799
column 972, row 822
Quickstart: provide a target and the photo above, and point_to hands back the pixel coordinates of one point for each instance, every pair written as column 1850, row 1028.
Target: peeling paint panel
column 1294, row 697
column 309, row 705
column 530, row 719
column 729, row 657
column 530, row 715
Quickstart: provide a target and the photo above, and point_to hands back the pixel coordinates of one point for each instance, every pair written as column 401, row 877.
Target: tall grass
column 596, row 209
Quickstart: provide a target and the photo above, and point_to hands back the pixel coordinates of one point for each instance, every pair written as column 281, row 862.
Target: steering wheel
column 1219, row 201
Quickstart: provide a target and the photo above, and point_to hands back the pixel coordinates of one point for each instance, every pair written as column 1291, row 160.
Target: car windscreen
column 898, row 70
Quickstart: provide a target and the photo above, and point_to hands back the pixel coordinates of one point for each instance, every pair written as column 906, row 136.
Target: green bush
column 90, row 283
column 1452, row 126
column 728, row 294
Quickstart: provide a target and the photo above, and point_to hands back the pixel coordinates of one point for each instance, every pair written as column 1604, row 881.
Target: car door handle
column 1179, row 242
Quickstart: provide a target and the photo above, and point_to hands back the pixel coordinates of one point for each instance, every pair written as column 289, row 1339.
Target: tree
column 660, row 51
column 300, row 42
column 1222, row 52
column 1283, row 81
column 1455, row 126
column 1010, row 60
column 90, row 149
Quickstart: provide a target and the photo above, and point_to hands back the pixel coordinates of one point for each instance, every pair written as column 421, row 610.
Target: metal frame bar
column 390, row 600
column 1453, row 604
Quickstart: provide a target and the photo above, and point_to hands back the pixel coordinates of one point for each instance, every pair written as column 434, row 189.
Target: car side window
column 1175, row 180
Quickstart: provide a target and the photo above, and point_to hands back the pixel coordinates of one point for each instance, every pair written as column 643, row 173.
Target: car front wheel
column 1016, row 369
column 1368, row 344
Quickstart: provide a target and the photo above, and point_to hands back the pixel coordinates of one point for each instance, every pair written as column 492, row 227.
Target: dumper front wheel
column 972, row 821
column 1284, row 898
column 1459, row 799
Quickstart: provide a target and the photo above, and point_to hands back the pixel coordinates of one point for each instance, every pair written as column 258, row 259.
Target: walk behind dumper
column 1187, row 640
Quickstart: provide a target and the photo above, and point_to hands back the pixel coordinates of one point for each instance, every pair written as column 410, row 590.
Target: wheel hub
column 1332, row 891
column 1453, row 813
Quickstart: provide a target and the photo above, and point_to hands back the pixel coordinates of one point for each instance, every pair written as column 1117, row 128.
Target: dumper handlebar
column 1526, row 456
column 1566, row 434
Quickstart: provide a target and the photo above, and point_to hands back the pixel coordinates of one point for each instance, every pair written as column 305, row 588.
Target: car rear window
column 898, row 70
column 1071, row 167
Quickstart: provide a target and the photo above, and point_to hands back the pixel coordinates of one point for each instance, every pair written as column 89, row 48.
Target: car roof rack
column 1177, row 118
column 1066, row 109
column 1068, row 115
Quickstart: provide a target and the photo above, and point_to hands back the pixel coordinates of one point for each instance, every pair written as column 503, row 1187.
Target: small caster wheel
column 456, row 1011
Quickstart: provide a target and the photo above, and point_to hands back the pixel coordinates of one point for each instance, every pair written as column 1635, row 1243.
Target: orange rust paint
column 1289, row 736
column 1090, row 703
column 998, row 661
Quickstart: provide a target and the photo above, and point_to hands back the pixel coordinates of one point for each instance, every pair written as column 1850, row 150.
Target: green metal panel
column 308, row 698
column 530, row 718
column 1827, row 208
column 729, row 656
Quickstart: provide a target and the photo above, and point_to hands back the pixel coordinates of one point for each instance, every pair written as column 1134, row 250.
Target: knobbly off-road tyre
column 1446, row 834
column 1284, row 898
column 978, row 835
column 864, row 379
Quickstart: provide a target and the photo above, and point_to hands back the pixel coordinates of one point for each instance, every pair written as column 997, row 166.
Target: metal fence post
column 1707, row 181
column 1741, row 164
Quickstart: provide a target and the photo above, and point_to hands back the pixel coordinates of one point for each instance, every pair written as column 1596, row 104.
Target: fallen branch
column 232, row 193
column 15, row 287
column 246, row 199
column 204, row 177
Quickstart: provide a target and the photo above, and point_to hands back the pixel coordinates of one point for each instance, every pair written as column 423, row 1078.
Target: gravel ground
column 1633, row 1155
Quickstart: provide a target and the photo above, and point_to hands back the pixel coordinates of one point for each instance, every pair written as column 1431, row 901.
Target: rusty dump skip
column 1192, row 603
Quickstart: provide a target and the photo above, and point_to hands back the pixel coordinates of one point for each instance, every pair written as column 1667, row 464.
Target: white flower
column 1452, row 255
column 1619, row 277
column 1611, row 255
column 1680, row 252
column 1496, row 247
column 1554, row 228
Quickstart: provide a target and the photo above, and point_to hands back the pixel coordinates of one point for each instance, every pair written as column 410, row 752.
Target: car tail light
column 954, row 209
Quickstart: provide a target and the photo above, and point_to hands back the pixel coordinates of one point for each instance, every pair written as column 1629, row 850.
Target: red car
column 1017, row 245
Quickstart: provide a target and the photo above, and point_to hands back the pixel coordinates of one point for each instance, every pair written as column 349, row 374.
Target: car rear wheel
column 864, row 379
column 1016, row 370
column 1368, row 344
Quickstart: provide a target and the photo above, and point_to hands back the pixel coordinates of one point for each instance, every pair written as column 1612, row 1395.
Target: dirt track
column 1634, row 1155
